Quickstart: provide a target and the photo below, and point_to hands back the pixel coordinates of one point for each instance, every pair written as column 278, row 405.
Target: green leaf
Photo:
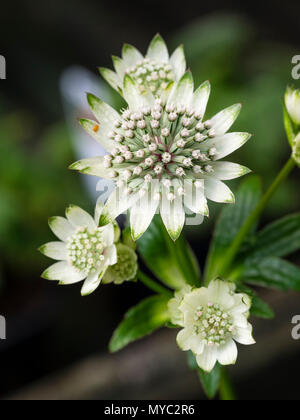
column 272, row 272
column 278, row 239
column 210, row 381
column 149, row 315
column 172, row 263
column 261, row 309
column 230, row 221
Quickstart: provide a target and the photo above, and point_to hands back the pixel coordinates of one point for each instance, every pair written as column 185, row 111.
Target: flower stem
column 153, row 285
column 226, row 389
column 232, row 251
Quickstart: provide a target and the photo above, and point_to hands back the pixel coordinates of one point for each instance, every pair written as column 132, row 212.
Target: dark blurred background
column 56, row 343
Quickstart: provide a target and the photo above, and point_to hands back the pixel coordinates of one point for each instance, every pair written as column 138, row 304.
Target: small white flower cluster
column 152, row 75
column 161, row 142
column 85, row 249
column 212, row 318
column 213, row 325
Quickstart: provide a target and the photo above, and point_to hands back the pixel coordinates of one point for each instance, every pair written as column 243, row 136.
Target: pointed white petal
column 227, row 354
column 244, row 335
column 112, row 78
column 64, row 272
column 217, row 191
column 207, row 359
column 142, row 214
column 194, row 199
column 224, row 119
column 80, row 218
column 91, row 283
column 173, row 215
column 228, row 170
column 219, row 292
column 178, row 62
column 226, row 144
column 111, row 257
column 92, row 166
column 61, row 227
column 131, row 55
column 132, row 95
column 182, row 93
column 158, row 50
column 108, row 234
column 186, row 340
column 99, row 133
column 119, row 66
column 118, row 202
column 55, row 250
column 200, row 98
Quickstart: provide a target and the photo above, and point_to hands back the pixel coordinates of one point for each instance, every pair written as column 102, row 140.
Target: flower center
column 151, row 75
column 212, row 324
column 85, row 250
column 162, row 142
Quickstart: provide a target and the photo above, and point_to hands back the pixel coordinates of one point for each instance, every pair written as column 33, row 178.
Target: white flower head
column 292, row 103
column 213, row 319
column 182, row 175
column 85, row 251
column 152, row 73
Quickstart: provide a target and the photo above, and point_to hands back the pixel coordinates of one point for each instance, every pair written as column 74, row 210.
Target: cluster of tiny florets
column 212, row 324
column 162, row 142
column 151, row 75
column 85, row 250
column 126, row 267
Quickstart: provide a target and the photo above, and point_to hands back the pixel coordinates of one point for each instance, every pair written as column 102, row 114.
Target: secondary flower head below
column 85, row 253
column 212, row 318
column 163, row 154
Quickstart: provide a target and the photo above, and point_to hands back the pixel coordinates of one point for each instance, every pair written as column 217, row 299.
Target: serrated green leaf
column 261, row 309
column 172, row 263
column 230, row 221
column 278, row 239
column 141, row 320
column 272, row 272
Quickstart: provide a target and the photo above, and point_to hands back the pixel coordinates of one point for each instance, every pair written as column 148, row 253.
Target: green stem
column 226, row 389
column 232, row 251
column 153, row 285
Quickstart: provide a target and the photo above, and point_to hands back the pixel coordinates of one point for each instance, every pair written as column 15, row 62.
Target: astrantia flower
column 163, row 155
column 126, row 267
column 292, row 103
column 213, row 319
column 152, row 73
column 85, row 253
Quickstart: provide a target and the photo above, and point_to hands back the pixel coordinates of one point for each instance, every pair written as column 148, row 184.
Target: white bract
column 292, row 103
column 86, row 250
column 152, row 73
column 163, row 154
column 213, row 319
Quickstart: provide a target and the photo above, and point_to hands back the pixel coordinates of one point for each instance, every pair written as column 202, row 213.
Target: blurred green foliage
column 34, row 184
